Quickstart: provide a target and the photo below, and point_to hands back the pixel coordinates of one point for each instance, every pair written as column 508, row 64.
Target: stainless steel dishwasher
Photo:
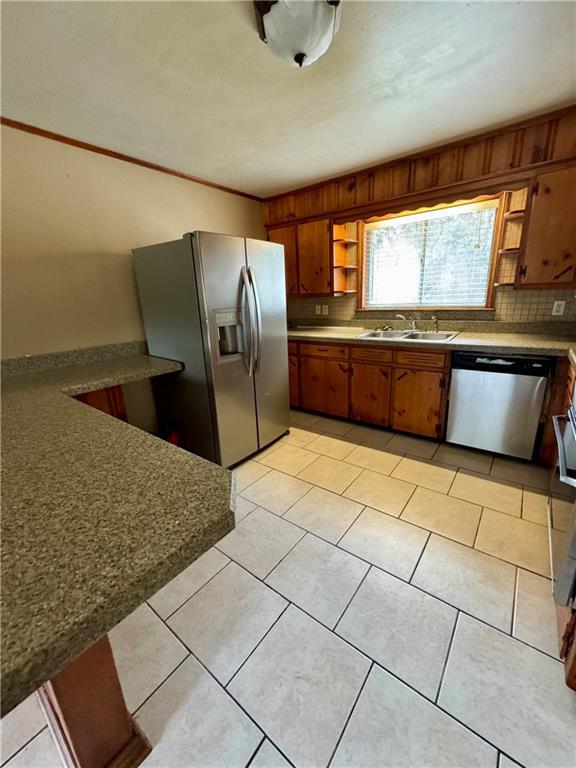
column 496, row 402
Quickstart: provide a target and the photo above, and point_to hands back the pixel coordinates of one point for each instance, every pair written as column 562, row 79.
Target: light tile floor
column 383, row 601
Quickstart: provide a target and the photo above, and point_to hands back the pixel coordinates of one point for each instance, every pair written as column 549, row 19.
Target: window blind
column 435, row 258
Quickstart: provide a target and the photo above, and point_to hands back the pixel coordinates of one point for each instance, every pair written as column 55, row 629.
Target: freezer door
column 496, row 412
column 266, row 270
column 228, row 315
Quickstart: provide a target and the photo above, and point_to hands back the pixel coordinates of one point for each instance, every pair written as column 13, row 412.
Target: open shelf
column 345, row 266
column 345, row 241
column 508, row 251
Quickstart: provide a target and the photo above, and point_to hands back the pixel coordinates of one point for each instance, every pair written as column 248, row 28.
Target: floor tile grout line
column 262, row 740
column 362, row 580
column 165, row 620
column 168, row 676
column 362, row 508
column 276, row 620
column 480, row 516
column 20, row 749
column 419, row 559
column 284, row 556
column 446, row 660
column 514, row 601
column 352, row 708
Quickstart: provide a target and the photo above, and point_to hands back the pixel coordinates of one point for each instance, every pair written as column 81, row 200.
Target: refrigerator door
column 228, row 314
column 266, row 270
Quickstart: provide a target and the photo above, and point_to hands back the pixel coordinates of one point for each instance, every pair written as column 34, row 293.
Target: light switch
column 324, row 309
column 558, row 308
column 318, row 309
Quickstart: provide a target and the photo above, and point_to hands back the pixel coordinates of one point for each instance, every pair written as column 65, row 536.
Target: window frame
column 489, row 303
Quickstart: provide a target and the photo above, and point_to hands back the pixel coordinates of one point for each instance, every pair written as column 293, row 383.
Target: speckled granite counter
column 96, row 516
column 500, row 343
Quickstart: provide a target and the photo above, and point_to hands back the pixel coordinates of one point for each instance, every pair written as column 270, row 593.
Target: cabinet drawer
column 420, row 358
column 292, row 348
column 335, row 351
column 371, row 355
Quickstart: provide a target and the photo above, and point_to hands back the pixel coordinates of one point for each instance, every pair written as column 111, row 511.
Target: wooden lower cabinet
column 294, row 380
column 418, row 399
column 324, row 385
column 370, row 393
column 109, row 400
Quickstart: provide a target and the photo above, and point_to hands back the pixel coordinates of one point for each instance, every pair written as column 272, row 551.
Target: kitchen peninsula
column 97, row 516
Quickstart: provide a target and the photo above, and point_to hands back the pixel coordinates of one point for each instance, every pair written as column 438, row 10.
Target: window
column 437, row 258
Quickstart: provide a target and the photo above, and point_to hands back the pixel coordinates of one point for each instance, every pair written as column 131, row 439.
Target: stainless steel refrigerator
column 217, row 303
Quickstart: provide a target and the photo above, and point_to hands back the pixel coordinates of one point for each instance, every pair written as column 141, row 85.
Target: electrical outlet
column 317, row 309
column 324, row 309
column 558, row 308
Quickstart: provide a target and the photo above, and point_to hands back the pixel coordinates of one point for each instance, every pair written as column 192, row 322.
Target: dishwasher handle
column 510, row 364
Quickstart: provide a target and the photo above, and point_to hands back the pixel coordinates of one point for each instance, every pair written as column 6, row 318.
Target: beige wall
column 69, row 221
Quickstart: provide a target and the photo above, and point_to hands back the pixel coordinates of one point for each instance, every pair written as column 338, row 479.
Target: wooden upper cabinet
column 314, row 257
column 370, row 393
column 418, row 398
column 286, row 236
column 549, row 239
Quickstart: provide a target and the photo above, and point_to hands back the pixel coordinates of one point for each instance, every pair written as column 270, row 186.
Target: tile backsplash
column 510, row 306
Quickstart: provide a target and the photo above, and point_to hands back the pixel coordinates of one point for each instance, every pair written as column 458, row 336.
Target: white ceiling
column 189, row 85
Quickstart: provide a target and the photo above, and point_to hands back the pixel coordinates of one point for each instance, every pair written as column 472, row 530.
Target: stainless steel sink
column 382, row 335
column 429, row 335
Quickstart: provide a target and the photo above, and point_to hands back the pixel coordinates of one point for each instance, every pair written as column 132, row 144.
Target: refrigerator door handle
column 258, row 320
column 253, row 339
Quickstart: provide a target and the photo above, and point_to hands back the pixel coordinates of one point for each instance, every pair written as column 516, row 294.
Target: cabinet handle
column 383, row 372
column 522, row 272
column 562, row 273
column 304, row 288
column 343, row 369
column 401, row 375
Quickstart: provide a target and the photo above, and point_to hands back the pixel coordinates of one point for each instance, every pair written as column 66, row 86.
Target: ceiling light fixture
column 298, row 31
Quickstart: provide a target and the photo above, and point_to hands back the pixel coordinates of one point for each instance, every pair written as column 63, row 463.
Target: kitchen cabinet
column 109, row 400
column 548, row 250
column 324, row 378
column 370, row 393
column 286, row 236
column 313, row 239
column 404, row 388
column 417, row 401
column 307, row 256
column 293, row 374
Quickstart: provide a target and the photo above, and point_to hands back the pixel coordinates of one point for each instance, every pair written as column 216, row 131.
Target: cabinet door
column 109, row 400
column 417, row 401
column 313, row 239
column 324, row 385
column 286, row 236
column 294, row 380
column 549, row 252
column 370, row 393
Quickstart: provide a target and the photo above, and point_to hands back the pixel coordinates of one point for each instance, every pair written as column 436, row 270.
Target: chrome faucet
column 383, row 328
column 410, row 320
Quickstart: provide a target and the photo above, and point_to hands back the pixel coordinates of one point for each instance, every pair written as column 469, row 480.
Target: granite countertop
column 97, row 515
column 500, row 343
